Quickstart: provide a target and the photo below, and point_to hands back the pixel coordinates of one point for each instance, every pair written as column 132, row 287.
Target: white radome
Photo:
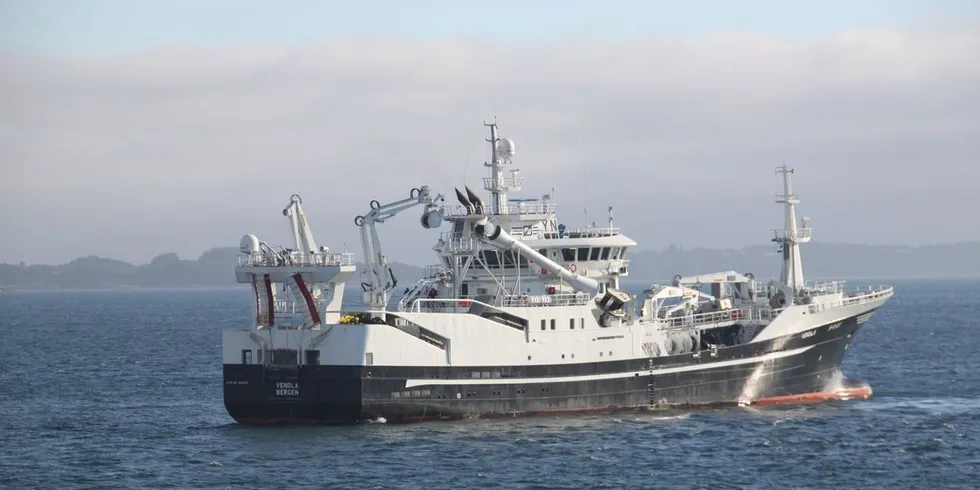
column 505, row 147
column 249, row 245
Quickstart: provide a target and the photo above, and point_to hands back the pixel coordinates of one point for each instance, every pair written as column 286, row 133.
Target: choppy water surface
column 122, row 389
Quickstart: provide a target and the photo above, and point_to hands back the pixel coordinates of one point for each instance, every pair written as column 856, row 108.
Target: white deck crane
column 302, row 235
column 377, row 286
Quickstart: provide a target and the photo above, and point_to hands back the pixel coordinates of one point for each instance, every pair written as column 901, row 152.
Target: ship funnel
column 465, row 202
column 475, row 199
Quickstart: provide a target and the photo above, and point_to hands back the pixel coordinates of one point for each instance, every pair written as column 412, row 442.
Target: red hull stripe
column 822, row 396
column 272, row 305
column 305, row 291
column 258, row 303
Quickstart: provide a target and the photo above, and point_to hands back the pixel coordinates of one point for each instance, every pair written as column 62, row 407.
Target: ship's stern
column 274, row 386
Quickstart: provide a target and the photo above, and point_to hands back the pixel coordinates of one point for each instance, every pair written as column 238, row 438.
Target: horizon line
column 684, row 248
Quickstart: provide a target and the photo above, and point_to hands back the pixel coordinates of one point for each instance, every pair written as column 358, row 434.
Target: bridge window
column 583, row 254
column 622, row 254
column 568, row 254
column 615, row 253
column 490, row 258
column 519, row 259
column 595, row 253
column 605, row 253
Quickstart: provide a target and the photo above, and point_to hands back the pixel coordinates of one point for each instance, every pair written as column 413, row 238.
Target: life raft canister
column 573, row 268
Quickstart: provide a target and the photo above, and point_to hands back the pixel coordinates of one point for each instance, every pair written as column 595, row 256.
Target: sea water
column 122, row 389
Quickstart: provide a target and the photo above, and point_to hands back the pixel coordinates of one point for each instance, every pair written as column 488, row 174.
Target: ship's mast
column 791, row 236
column 499, row 184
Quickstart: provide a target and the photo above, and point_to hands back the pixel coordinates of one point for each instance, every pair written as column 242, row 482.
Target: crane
column 376, row 288
column 302, row 235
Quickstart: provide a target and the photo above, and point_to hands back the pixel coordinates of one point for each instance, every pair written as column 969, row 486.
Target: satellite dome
column 249, row 245
column 505, row 147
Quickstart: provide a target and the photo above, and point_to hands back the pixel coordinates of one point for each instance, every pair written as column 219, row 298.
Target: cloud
column 183, row 148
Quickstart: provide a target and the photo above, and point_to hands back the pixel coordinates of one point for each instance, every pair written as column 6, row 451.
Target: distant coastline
column 214, row 268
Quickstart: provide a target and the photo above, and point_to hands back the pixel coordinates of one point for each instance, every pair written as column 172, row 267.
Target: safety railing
column 535, row 300
column 296, row 307
column 518, row 208
column 854, row 297
column 435, row 271
column 829, row 287
column 720, row 317
column 455, row 242
column 801, row 234
column 297, row 260
column 439, row 303
column 513, row 182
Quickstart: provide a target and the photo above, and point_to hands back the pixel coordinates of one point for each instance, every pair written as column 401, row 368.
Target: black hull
column 798, row 368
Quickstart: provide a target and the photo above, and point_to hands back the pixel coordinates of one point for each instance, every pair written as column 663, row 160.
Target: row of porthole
column 472, row 394
column 412, row 393
column 573, row 355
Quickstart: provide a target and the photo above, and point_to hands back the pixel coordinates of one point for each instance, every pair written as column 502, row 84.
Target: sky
column 129, row 129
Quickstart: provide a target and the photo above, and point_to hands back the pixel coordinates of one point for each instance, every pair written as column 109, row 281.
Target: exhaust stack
column 470, row 209
column 478, row 205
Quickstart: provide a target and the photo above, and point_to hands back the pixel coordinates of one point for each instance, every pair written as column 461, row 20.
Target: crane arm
column 302, row 235
column 375, row 262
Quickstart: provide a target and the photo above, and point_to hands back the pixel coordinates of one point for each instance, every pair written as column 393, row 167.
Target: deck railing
column 856, row 297
column 801, row 234
column 463, row 303
column 297, row 260
column 721, row 316
column 516, row 208
column 591, row 232
column 510, row 181
column 825, row 287
column 766, row 313
column 457, row 242
column 537, row 300
column 297, row 307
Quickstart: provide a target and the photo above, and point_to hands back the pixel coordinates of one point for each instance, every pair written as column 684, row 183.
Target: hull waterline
column 785, row 370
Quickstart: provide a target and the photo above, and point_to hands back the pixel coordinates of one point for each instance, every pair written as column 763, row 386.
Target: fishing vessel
column 523, row 315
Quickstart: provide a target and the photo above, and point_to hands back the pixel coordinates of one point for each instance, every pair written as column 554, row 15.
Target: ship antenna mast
column 499, row 184
column 791, row 236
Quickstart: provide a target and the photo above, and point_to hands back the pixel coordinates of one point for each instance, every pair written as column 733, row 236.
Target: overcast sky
column 131, row 129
